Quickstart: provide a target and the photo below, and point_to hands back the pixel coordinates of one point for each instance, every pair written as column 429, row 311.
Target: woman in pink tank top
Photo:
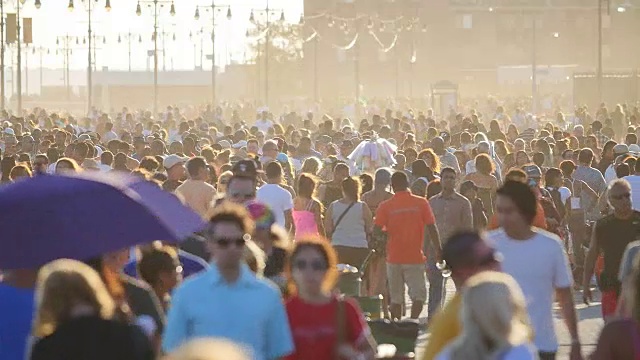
column 307, row 211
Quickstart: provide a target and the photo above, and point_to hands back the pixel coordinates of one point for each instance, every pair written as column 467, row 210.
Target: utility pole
column 213, row 7
column 268, row 12
column 534, row 66
column 2, row 41
column 19, row 51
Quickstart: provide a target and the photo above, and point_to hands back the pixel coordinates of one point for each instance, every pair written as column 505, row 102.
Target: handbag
column 335, row 226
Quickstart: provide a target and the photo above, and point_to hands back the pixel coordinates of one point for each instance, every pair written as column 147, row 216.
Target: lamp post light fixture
column 215, row 10
column 172, row 12
column 90, row 60
column 268, row 13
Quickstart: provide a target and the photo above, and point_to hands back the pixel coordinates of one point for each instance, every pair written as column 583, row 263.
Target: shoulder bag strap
column 335, row 226
column 341, row 323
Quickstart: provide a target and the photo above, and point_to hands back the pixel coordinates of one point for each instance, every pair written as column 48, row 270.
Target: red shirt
column 405, row 216
column 314, row 327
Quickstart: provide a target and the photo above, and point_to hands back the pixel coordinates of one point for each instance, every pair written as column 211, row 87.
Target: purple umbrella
column 50, row 217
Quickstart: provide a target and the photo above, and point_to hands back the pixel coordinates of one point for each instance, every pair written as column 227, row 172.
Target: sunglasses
column 224, row 243
column 621, row 196
column 316, row 265
column 242, row 196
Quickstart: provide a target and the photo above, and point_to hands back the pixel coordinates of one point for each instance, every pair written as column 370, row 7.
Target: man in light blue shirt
column 228, row 301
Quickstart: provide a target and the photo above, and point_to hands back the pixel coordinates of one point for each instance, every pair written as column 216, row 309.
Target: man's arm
column 590, row 262
column 565, row 298
column 467, row 215
column 434, row 237
column 288, row 221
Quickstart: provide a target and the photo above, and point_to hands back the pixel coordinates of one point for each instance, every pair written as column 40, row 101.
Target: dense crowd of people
column 518, row 212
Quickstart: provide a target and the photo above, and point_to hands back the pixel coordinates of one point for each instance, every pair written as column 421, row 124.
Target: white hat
column 225, row 144
column 9, row 131
column 635, row 148
column 239, row 144
column 173, row 160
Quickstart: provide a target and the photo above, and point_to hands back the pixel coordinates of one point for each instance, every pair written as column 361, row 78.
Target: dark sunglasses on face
column 224, row 243
column 314, row 265
column 242, row 196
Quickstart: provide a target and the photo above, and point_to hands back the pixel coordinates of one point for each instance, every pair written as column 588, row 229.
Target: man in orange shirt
column 405, row 218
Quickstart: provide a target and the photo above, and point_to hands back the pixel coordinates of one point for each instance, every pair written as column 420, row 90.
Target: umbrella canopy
column 51, row 216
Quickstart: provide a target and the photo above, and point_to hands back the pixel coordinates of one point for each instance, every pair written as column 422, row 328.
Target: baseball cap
column 9, row 131
column 173, row 160
column 245, row 168
column 324, row 139
column 468, row 249
column 621, row 149
column 635, row 148
column 225, row 144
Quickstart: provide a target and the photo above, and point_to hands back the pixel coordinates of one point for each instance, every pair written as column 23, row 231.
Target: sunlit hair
column 435, row 166
column 493, row 312
column 352, row 188
column 307, row 185
column 209, row 349
column 223, row 181
column 62, row 285
column 326, row 251
column 19, row 171
column 71, row 164
column 484, row 165
column 311, row 165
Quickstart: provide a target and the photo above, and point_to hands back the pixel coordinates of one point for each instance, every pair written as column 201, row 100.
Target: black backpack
column 557, row 201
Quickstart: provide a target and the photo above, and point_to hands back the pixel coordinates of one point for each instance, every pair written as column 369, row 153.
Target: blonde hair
column 209, row 349
column 62, row 285
column 493, row 315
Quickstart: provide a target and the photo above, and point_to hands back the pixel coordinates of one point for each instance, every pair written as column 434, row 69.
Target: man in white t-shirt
column 276, row 197
column 537, row 261
column 263, row 123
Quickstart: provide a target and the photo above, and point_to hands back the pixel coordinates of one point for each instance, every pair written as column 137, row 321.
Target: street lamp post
column 155, row 4
column 267, row 12
column 66, row 54
column 89, row 8
column 213, row 8
column 129, row 36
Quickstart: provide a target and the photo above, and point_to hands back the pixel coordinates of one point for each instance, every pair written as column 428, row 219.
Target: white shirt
column 565, row 193
column 540, row 266
column 277, row 198
column 634, row 181
column 264, row 125
column 610, row 174
column 108, row 136
column 520, row 352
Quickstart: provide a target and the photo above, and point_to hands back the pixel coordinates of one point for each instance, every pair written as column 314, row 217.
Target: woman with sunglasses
column 323, row 326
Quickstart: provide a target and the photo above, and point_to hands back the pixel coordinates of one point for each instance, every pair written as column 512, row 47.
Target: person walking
column 307, row 210
column 197, row 193
column 276, row 197
column 323, row 325
column 610, row 238
column 349, row 223
column 466, row 254
column 221, row 302
column 75, row 318
column 537, row 261
column 453, row 214
column 405, row 218
column 495, row 323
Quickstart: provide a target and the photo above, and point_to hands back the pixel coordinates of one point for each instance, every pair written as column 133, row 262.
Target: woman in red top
column 323, row 325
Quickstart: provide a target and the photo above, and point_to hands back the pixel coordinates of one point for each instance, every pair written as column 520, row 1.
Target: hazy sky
column 53, row 20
